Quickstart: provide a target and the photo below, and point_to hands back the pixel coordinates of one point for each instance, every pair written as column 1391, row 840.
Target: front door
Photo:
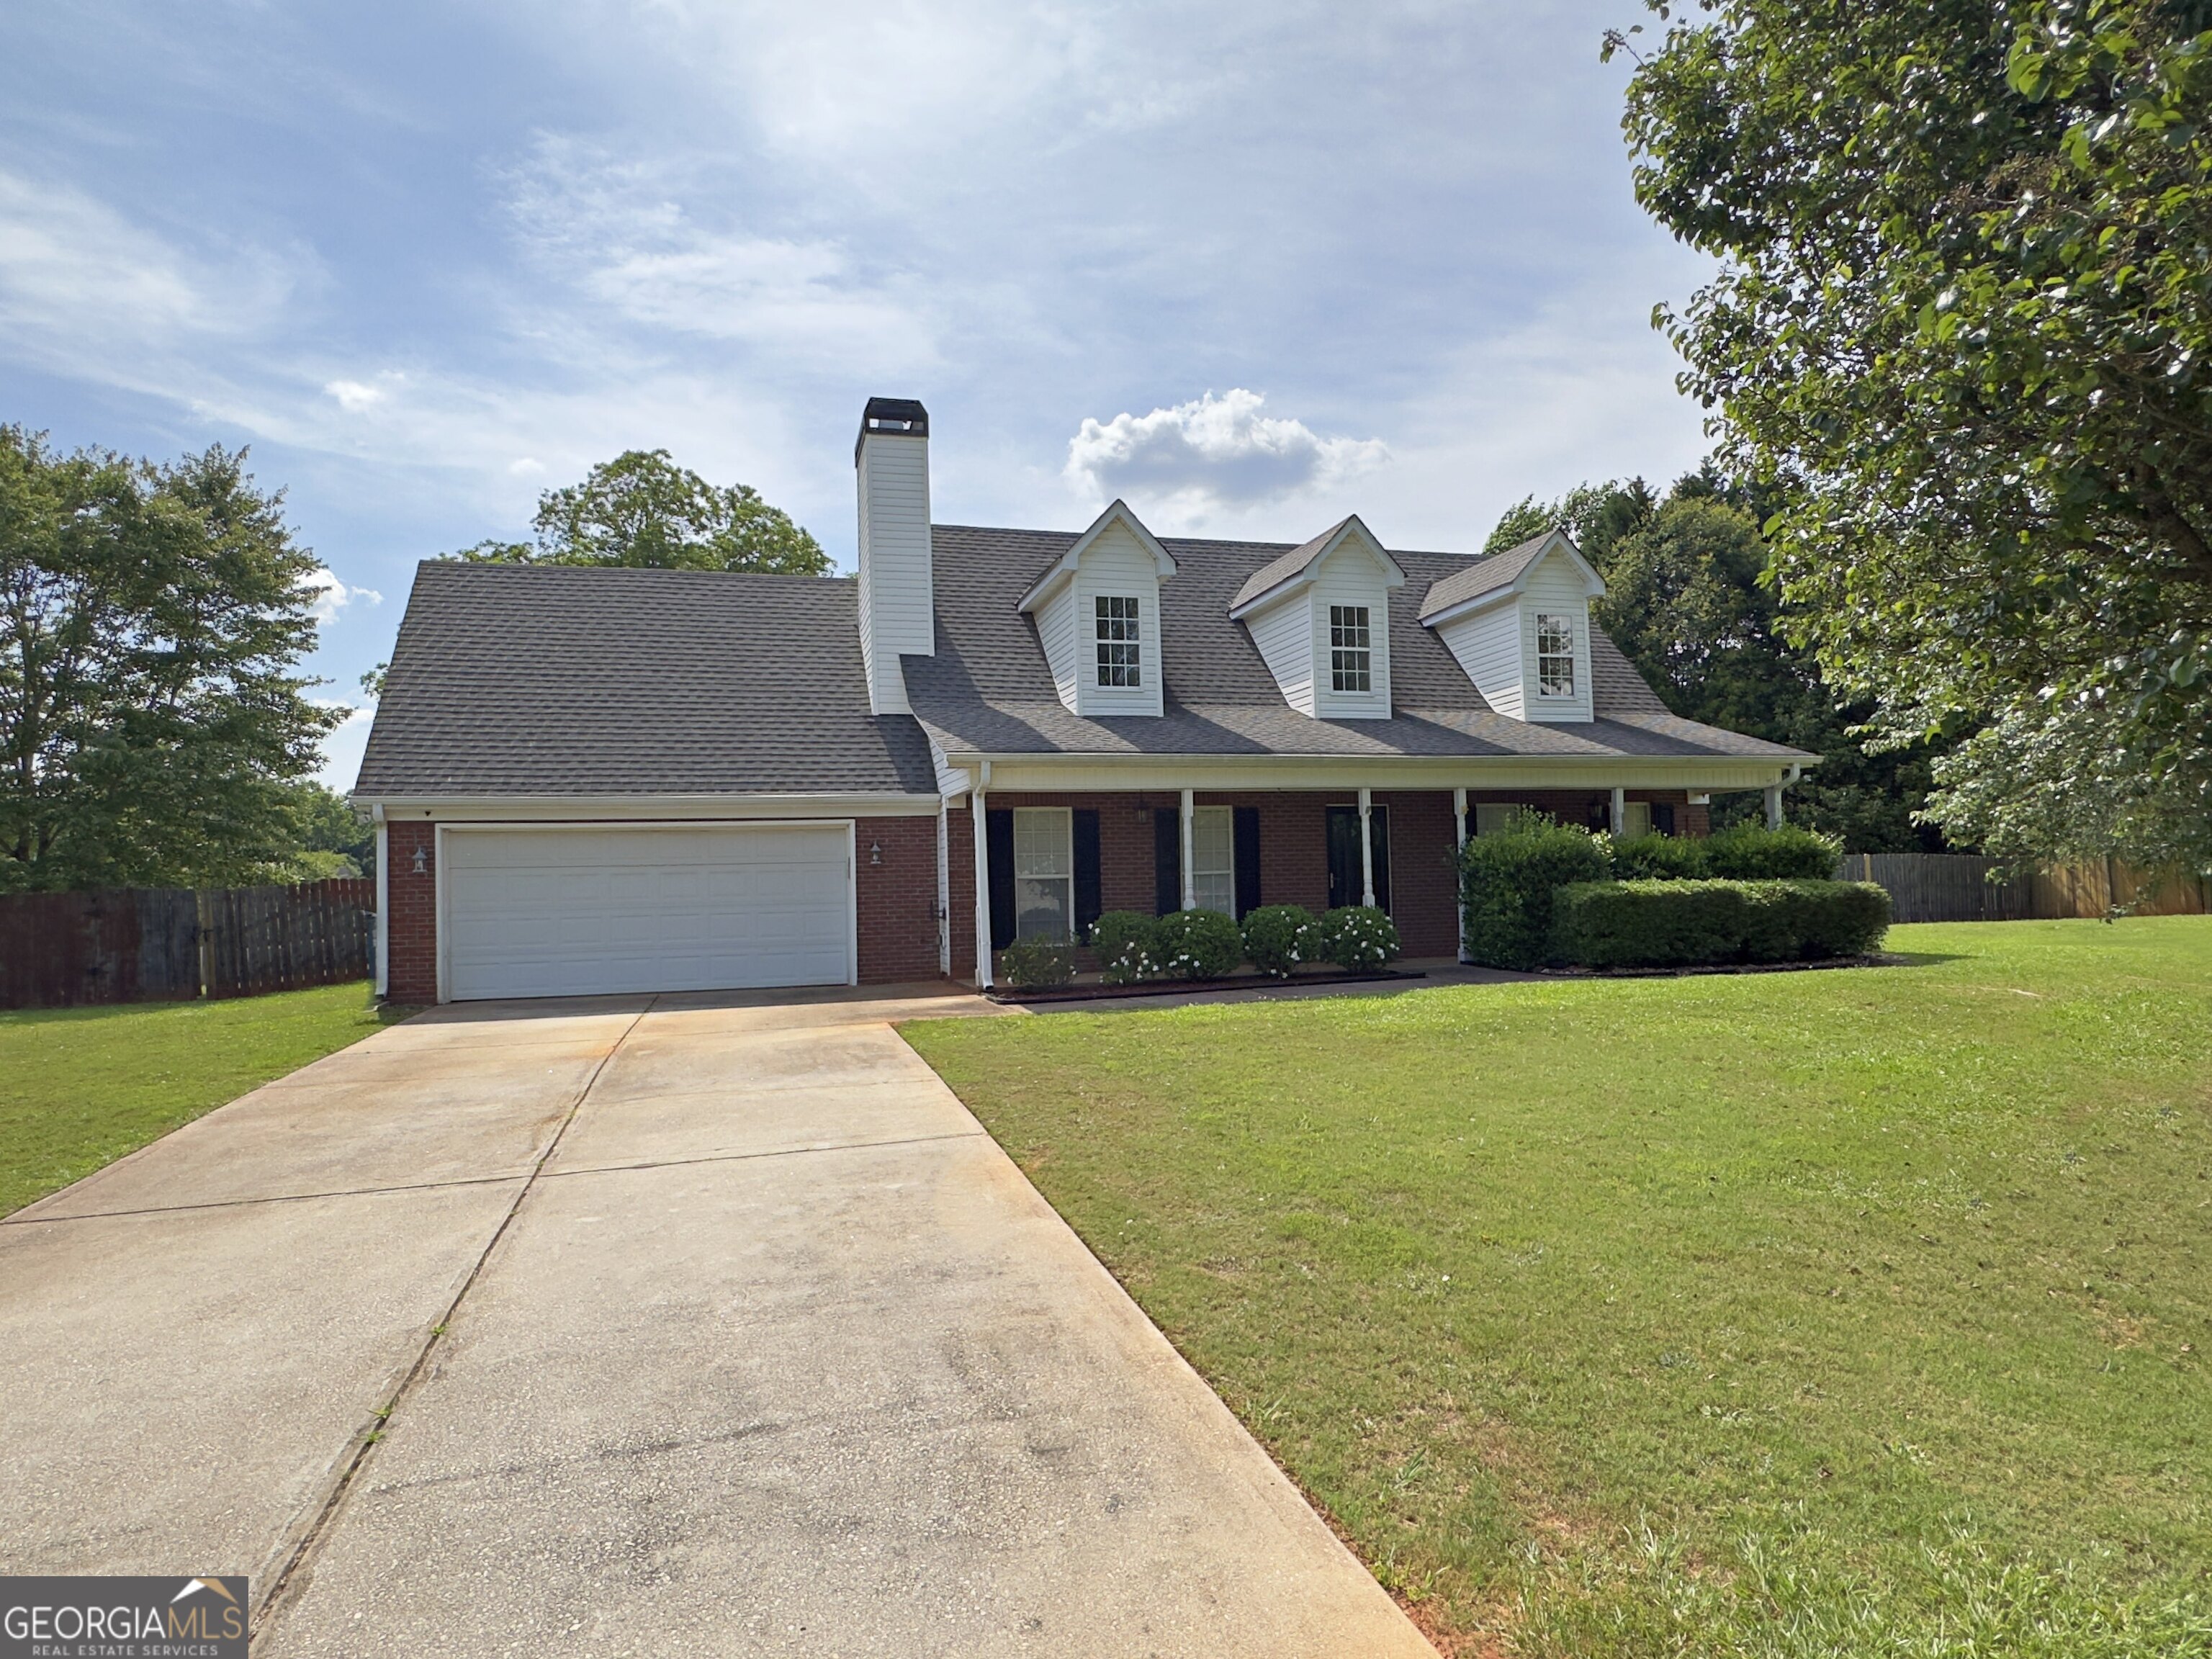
column 1343, row 885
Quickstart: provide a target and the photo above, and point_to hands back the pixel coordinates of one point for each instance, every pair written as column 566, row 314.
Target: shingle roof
column 1476, row 577
column 988, row 690
column 1274, row 573
column 538, row 680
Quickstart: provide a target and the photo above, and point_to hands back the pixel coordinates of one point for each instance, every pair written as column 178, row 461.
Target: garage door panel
column 566, row 913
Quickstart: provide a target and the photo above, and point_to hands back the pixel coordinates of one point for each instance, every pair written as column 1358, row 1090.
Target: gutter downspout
column 383, row 902
column 981, row 781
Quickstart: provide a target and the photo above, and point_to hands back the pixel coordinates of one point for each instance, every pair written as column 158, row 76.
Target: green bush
column 1357, row 936
column 1751, row 851
column 1279, row 936
column 1029, row 962
column 1655, row 857
column 1507, row 881
column 1128, row 946
column 1660, row 924
column 1198, row 945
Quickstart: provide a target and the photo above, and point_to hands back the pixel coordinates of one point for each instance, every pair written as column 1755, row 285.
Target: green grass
column 1830, row 1313
column 80, row 1087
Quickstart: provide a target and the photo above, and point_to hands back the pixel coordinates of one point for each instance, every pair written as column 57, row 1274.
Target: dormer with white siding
column 1519, row 625
column 1321, row 617
column 1097, row 616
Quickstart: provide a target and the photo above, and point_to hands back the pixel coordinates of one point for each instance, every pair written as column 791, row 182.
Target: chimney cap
column 903, row 416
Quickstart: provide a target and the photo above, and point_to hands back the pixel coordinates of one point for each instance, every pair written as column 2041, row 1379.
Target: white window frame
column 1351, row 649
column 1117, row 632
column 1049, row 840
column 1217, row 880
column 1635, row 819
column 1494, row 818
column 1563, row 691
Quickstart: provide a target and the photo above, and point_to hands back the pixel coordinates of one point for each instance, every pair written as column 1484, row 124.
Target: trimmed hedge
column 1752, row 852
column 1128, row 946
column 1357, row 936
column 1278, row 937
column 1658, row 924
column 1507, row 882
column 1655, row 857
column 1198, row 945
column 1027, row 963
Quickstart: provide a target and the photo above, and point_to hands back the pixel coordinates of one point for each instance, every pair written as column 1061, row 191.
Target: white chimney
column 898, row 616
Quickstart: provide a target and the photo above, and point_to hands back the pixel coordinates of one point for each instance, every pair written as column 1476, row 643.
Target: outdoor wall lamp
column 421, row 861
column 875, row 851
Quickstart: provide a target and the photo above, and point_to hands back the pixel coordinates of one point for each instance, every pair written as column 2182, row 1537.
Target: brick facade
column 896, row 878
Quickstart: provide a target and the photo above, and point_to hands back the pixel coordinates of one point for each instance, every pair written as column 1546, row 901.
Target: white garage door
column 586, row 912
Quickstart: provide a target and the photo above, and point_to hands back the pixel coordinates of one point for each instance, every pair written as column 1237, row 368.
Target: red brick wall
column 896, row 899
column 1595, row 806
column 1424, row 871
column 411, row 929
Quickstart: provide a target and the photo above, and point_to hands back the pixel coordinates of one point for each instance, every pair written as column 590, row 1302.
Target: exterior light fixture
column 422, row 861
column 875, row 851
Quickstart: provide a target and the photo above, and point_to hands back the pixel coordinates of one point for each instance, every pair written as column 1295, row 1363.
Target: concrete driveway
column 645, row 1327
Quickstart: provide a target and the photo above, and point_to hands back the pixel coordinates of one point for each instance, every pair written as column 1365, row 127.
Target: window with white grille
column 1351, row 653
column 1119, row 646
column 1555, row 656
column 1044, row 872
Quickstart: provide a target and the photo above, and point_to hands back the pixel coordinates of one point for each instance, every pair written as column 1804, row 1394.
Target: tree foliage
column 152, row 720
column 1687, row 603
column 642, row 509
column 1961, row 330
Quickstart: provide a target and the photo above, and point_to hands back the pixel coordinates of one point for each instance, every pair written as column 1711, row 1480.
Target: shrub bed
column 1128, row 946
column 1507, row 881
column 1660, row 924
column 1752, row 852
column 1279, row 938
column 1035, row 962
column 1198, row 945
column 1357, row 936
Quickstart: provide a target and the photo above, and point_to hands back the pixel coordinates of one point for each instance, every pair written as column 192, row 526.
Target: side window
column 1213, row 859
column 1351, row 655
column 1119, row 646
column 1555, row 655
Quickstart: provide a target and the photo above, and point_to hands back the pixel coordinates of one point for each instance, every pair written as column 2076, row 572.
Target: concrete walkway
column 703, row 1325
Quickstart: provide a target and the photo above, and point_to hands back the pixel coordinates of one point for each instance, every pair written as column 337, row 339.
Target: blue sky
column 1252, row 266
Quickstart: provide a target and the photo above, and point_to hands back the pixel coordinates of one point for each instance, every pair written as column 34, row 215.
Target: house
column 590, row 781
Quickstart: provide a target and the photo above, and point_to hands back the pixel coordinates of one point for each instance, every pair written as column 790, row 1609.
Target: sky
column 1250, row 266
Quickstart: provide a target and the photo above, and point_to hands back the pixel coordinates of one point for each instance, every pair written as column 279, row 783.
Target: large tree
column 1961, row 330
column 640, row 509
column 153, row 721
column 1687, row 602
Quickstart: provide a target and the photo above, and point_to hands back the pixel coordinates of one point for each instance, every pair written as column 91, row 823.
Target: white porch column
column 1620, row 810
column 1459, row 846
column 1190, row 823
column 1366, row 849
column 1774, row 806
column 982, row 880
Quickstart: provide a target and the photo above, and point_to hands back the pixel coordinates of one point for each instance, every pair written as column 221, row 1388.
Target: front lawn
column 80, row 1087
column 1825, row 1313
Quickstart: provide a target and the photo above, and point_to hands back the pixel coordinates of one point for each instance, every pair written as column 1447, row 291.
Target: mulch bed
column 1177, row 987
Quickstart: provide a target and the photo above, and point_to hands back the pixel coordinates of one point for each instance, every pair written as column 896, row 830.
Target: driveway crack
column 291, row 1572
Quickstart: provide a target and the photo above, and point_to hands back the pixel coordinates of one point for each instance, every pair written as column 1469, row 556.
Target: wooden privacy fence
column 151, row 945
column 1956, row 887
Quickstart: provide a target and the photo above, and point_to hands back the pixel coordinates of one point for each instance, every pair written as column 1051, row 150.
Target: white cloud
column 332, row 595
column 1220, row 451
column 354, row 396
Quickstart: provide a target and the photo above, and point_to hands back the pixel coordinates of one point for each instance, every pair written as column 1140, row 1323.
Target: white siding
column 897, row 602
column 1488, row 647
column 1284, row 634
column 1055, row 626
column 1555, row 588
column 1350, row 575
column 1116, row 564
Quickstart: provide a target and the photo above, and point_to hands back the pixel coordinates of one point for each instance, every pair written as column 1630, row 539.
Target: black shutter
column 1662, row 818
column 1167, row 861
column 999, row 840
column 1343, row 856
column 1086, row 870
column 1248, row 860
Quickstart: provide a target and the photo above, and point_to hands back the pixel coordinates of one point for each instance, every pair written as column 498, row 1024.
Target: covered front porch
column 1034, row 862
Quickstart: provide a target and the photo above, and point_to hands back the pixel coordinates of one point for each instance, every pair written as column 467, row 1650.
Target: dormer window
column 1119, row 648
column 1351, row 654
column 1555, row 655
